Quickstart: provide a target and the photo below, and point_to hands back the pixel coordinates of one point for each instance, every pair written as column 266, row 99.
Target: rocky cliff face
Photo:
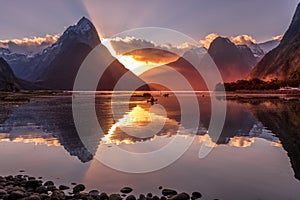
column 283, row 62
column 8, row 81
column 234, row 62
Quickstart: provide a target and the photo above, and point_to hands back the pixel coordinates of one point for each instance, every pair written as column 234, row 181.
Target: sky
column 196, row 18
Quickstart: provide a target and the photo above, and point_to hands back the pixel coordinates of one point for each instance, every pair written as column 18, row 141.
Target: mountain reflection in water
column 49, row 120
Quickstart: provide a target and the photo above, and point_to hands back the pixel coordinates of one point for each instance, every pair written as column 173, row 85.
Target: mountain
column 8, row 81
column 233, row 61
column 282, row 62
column 56, row 67
column 267, row 46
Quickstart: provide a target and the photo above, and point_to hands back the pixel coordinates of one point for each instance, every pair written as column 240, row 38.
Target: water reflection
column 48, row 120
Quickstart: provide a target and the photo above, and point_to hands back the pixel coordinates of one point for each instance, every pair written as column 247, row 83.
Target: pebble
column 78, row 188
column 131, row 197
column 47, row 183
column 196, row 195
column 63, row 187
column 126, row 190
column 94, row 192
column 42, row 189
column 168, row 192
column 103, row 196
column 181, row 196
column 115, row 197
column 57, row 195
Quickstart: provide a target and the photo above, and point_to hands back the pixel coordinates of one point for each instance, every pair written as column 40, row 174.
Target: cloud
column 149, row 51
column 29, row 45
column 243, row 40
column 151, row 55
column 208, row 39
column 278, row 37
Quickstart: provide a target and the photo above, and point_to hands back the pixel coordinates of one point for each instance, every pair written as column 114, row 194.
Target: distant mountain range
column 283, row 62
column 56, row 66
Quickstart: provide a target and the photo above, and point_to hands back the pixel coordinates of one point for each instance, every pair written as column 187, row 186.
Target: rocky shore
column 30, row 188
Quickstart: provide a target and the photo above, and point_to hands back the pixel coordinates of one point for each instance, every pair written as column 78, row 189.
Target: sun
column 137, row 67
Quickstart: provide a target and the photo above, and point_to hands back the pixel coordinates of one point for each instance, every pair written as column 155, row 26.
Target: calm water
column 257, row 155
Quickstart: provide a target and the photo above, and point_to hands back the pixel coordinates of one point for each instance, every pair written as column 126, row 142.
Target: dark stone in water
column 57, row 195
column 155, row 198
column 160, row 187
column 142, row 197
column 126, row 190
column 32, row 183
column 2, row 179
column 163, row 198
column 196, row 195
column 103, row 196
column 149, row 195
column 94, row 192
column 78, row 188
column 63, row 187
column 131, row 197
column 41, row 189
column 73, row 183
column 40, row 177
column 115, row 197
column 181, row 196
column 2, row 192
column 48, row 183
column 16, row 195
column 35, row 197
column 168, row 192
column 51, row 188
column 22, row 170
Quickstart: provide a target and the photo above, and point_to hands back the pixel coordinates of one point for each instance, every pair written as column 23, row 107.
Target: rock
column 33, row 197
column 42, row 189
column 58, row 195
column 51, row 188
column 47, row 183
column 32, row 183
column 2, row 192
column 2, row 179
column 63, row 187
column 16, row 195
column 155, row 198
column 73, row 183
column 115, row 197
column 160, row 187
column 44, row 197
column 181, row 196
column 168, row 192
column 78, row 188
column 149, row 195
column 40, row 177
column 142, row 197
column 21, row 170
column 196, row 195
column 123, row 195
column 31, row 178
column 131, row 197
column 126, row 190
column 104, row 196
column 94, row 192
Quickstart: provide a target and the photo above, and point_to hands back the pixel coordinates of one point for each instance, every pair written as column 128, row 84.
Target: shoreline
column 34, row 188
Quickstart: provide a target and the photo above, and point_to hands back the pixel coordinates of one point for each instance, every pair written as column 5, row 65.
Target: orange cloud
column 208, row 39
column 29, row 45
column 278, row 37
column 148, row 51
column 243, row 40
